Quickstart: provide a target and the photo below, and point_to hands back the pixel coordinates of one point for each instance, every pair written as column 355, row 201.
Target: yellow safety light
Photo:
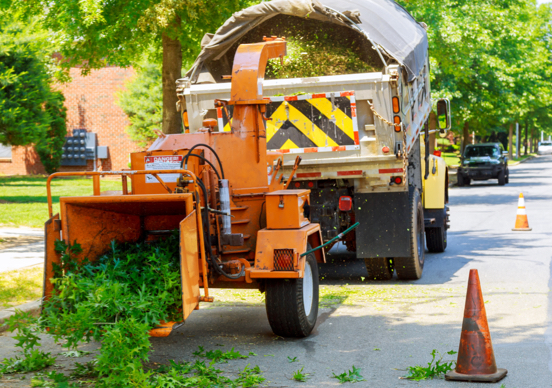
column 397, row 121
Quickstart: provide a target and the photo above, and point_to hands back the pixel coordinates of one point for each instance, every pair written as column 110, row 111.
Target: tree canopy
column 492, row 58
column 32, row 111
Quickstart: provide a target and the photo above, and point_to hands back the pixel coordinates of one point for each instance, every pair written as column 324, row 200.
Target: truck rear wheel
column 410, row 268
column 436, row 238
column 379, row 268
column 292, row 304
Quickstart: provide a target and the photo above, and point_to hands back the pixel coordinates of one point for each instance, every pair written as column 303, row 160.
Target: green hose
column 340, row 235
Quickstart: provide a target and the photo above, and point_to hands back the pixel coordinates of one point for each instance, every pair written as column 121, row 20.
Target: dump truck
column 239, row 227
column 363, row 138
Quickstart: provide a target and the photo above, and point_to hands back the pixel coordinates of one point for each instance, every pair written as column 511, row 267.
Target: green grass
column 20, row 286
column 24, row 201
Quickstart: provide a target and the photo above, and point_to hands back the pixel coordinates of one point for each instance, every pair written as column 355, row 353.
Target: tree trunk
column 532, row 137
column 526, row 141
column 465, row 136
column 432, row 125
column 172, row 70
column 510, row 141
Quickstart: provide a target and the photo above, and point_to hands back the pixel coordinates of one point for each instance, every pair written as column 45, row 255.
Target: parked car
column 545, row 148
column 482, row 162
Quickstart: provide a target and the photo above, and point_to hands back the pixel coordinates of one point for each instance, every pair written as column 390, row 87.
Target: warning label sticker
column 162, row 162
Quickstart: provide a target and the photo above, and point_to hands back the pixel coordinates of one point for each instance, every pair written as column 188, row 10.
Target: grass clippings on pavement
column 24, row 201
column 20, row 286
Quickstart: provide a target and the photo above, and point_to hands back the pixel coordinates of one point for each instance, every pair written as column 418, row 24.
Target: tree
column 32, row 112
column 142, row 101
column 487, row 56
column 93, row 33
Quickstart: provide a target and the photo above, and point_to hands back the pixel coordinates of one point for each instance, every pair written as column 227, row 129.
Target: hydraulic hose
column 205, row 160
column 207, row 239
column 185, row 160
column 340, row 235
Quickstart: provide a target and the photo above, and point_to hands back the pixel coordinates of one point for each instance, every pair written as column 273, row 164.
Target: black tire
column 507, row 176
column 285, row 305
column 460, row 180
column 467, row 181
column 411, row 268
column 436, row 238
column 379, row 268
column 502, row 178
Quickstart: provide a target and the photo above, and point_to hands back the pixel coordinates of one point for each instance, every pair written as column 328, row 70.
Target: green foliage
column 300, row 376
column 27, row 340
column 219, row 356
column 352, row 376
column 492, row 58
column 52, row 379
column 435, row 368
column 49, row 148
column 142, row 101
column 139, row 282
column 315, row 58
column 32, row 112
column 294, row 359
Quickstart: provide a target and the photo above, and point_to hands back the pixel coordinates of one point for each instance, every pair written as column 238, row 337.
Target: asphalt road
column 395, row 324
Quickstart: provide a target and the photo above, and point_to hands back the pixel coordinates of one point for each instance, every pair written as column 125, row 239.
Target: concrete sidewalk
column 23, row 247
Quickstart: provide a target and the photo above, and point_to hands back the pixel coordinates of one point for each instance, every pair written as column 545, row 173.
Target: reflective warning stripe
column 320, row 122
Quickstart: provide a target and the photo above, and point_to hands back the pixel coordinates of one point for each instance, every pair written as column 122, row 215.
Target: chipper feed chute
column 239, row 227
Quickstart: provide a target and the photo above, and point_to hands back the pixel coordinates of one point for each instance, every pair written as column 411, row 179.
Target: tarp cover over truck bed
column 385, row 22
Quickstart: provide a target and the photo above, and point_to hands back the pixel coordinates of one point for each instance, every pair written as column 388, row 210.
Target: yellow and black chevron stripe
column 309, row 122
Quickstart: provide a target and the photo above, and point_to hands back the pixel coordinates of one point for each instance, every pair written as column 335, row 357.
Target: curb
column 32, row 307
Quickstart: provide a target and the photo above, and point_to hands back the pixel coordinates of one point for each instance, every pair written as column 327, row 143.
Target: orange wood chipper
column 239, row 226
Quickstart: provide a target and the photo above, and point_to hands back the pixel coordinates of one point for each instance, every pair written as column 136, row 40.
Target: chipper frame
column 238, row 227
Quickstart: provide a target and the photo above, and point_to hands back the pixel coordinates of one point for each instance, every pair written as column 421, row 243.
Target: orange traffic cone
column 522, row 224
column 476, row 361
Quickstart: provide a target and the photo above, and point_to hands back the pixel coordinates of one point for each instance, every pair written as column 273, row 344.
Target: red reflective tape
column 319, row 95
column 390, row 170
column 283, row 151
column 345, row 94
column 219, row 113
column 339, row 148
column 310, row 150
column 353, row 109
column 356, row 137
column 290, row 98
column 356, row 172
column 309, row 175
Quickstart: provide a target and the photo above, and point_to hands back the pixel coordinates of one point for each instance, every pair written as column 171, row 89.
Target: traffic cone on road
column 476, row 361
column 522, row 224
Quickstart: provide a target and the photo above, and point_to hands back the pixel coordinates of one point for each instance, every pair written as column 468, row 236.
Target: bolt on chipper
column 240, row 227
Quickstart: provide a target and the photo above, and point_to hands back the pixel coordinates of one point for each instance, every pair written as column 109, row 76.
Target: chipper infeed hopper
column 239, row 227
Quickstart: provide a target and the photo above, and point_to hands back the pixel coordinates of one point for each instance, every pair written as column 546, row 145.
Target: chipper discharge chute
column 239, row 227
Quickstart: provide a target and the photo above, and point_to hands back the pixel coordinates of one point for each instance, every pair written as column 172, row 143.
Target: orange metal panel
column 284, row 209
column 189, row 264
column 264, row 274
column 268, row 240
column 51, row 234
column 94, row 222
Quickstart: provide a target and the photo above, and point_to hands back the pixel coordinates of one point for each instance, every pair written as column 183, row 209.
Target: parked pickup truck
column 482, row 162
column 363, row 138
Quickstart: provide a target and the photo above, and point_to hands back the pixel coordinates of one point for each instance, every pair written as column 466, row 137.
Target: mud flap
column 51, row 234
column 189, row 264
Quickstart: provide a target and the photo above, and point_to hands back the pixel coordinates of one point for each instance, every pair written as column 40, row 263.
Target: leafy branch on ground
column 218, row 356
column 352, row 376
column 294, row 359
column 435, row 368
column 30, row 358
column 300, row 376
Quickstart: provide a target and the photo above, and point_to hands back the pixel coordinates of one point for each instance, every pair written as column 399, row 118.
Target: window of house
column 5, row 152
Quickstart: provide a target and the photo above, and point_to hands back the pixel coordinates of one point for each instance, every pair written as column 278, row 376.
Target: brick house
column 90, row 103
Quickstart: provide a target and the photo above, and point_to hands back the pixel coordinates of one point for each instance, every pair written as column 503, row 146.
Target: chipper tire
column 379, row 268
column 292, row 304
column 410, row 268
